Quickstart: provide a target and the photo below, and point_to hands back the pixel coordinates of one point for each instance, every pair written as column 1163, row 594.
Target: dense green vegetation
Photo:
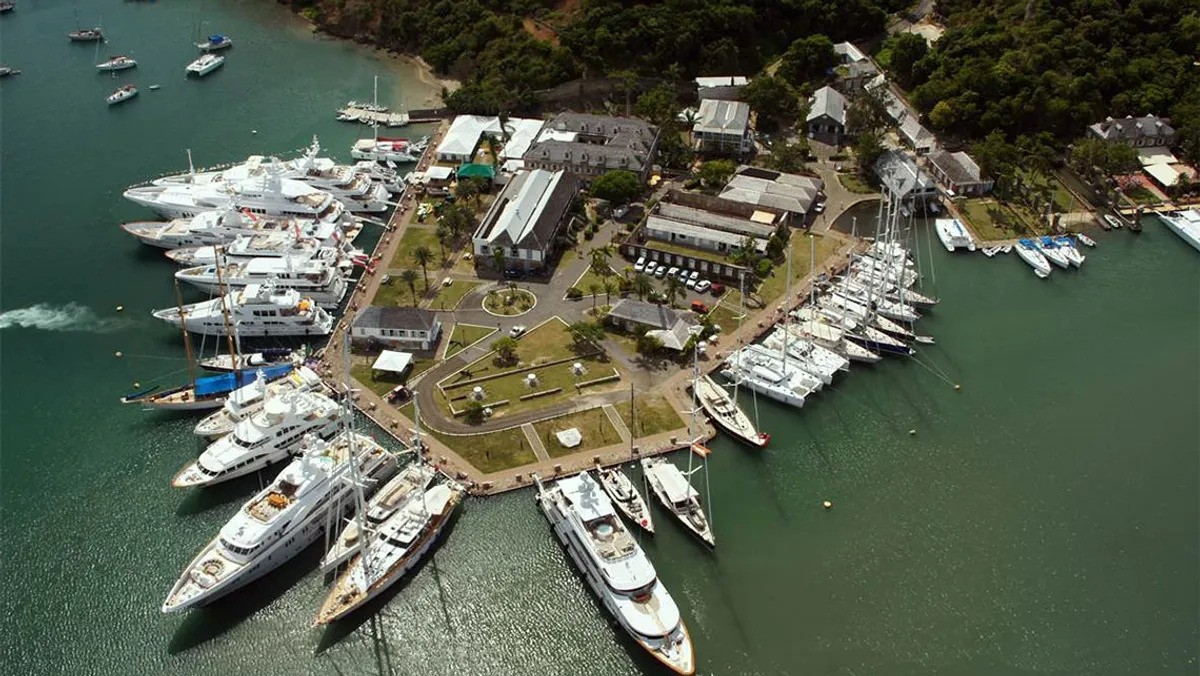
column 1027, row 67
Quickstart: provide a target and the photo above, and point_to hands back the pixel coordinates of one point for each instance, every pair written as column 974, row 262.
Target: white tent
column 394, row 362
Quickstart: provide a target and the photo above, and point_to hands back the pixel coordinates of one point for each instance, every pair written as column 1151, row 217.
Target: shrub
column 574, row 293
column 763, row 268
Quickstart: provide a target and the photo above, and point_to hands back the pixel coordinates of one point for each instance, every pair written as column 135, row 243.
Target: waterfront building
column 826, row 121
column 408, row 327
column 526, row 220
column 957, row 173
column 902, row 179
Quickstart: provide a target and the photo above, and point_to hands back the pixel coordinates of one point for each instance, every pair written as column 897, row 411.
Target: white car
column 692, row 279
column 650, row 266
column 640, row 264
column 517, row 331
column 661, row 271
column 702, row 285
column 683, row 274
column 673, row 271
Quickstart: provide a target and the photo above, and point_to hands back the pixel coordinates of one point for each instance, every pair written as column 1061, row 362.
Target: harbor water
column 1041, row 519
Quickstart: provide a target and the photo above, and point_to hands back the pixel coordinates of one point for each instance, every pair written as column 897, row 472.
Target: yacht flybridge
column 316, row 278
column 1184, row 223
column 615, row 567
column 256, row 310
column 246, row 401
column 281, row 520
column 398, row 545
column 264, row 438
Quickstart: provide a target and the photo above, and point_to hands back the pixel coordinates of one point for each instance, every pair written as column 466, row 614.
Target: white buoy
column 827, row 504
column 136, row 385
column 119, row 354
column 253, row 131
column 120, row 308
column 912, row 432
column 957, row 386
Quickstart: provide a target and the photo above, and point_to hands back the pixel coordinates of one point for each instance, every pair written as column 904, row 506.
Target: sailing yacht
column 1031, row 254
column 762, row 376
column 256, row 310
column 615, row 567
column 246, row 401
column 403, row 488
column 724, row 411
column 264, row 438
column 1050, row 250
column 215, row 43
column 281, row 520
column 399, row 545
column 318, row 279
column 250, row 360
column 675, row 493
column 812, row 358
column 355, row 189
column 1066, row 246
column 625, row 496
column 204, row 393
column 218, row 227
column 118, row 62
column 264, row 194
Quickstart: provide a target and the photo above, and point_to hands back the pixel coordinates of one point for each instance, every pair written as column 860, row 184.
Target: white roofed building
column 759, row 187
column 723, row 127
column 465, row 133
column 525, row 221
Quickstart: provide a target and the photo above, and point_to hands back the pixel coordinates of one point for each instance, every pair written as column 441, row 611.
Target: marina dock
column 384, row 118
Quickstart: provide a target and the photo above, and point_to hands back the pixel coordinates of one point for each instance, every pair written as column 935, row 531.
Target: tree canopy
column 807, row 59
column 617, row 186
column 774, row 100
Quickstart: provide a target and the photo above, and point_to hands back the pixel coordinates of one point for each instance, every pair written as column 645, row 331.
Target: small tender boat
column 989, row 251
column 1006, row 249
column 86, row 35
column 118, row 62
column 121, row 94
column 204, row 65
column 625, row 497
column 1113, row 221
column 7, row 6
column 154, row 87
column 1085, row 240
column 215, row 43
column 5, row 71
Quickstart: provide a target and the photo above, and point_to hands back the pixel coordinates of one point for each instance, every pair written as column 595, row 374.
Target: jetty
column 372, row 117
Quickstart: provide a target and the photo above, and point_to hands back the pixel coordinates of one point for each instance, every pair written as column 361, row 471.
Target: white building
column 408, row 327
column 466, row 132
column 526, row 219
column 723, row 127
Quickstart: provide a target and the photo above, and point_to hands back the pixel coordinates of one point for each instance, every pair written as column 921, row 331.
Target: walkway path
column 535, row 443
column 615, row 419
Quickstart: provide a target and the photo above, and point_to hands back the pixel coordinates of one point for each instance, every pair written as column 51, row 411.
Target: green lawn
column 491, row 452
column 726, row 317
column 593, row 424
column 773, row 287
column 1063, row 200
column 510, row 302
column 590, row 277
column 448, row 297
column 654, row 414
column 672, row 247
column 513, row 386
column 993, row 220
column 855, row 184
column 395, row 293
column 1141, row 195
column 414, row 237
column 465, row 335
column 382, row 382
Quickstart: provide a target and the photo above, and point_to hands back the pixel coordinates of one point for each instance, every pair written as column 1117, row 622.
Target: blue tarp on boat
column 216, row 39
column 228, row 382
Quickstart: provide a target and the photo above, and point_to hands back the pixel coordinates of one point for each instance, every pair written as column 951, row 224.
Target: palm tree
column 444, row 236
column 641, row 286
column 673, row 290
column 422, row 256
column 593, row 288
column 498, row 258
column 600, row 264
column 410, row 278
column 465, row 189
column 609, row 287
column 493, row 148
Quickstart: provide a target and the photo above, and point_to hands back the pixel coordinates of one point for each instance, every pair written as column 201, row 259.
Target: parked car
column 673, row 271
column 661, row 272
column 640, row 264
column 702, row 285
column 650, row 266
column 517, row 331
column 692, row 279
column 717, row 289
column 699, row 307
column 514, row 273
column 683, row 274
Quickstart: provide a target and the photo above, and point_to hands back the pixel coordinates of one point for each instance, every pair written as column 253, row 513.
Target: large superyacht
column 222, row 226
column 281, row 520
column 616, row 568
column 246, row 401
column 410, row 482
column 317, row 278
column 265, row 194
column 256, row 310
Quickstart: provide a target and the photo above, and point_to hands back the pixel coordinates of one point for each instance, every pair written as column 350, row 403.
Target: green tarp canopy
column 477, row 171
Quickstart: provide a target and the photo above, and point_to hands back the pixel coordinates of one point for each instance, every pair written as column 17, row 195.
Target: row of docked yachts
column 272, row 238
column 379, row 519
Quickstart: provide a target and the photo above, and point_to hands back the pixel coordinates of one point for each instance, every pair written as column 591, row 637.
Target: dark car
column 717, row 289
column 514, row 273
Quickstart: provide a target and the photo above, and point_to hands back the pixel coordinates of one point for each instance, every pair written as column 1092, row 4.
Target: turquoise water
column 1043, row 519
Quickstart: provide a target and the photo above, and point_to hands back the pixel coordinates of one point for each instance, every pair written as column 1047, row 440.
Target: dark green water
column 1042, row 520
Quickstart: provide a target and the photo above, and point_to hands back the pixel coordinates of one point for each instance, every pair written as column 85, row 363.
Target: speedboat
column 316, row 278
column 246, row 401
column 205, row 393
column 281, row 520
column 204, row 65
column 383, row 149
column 1031, row 254
column 7, row 6
column 675, row 493
column 953, row 234
column 121, row 94
column 119, row 62
column 625, row 496
column 86, row 35
column 1113, row 221
column 215, row 43
column 1185, row 224
column 264, row 438
column 397, row 546
column 1085, row 240
column 615, row 567
column 256, row 310
column 724, row 411
column 410, row 483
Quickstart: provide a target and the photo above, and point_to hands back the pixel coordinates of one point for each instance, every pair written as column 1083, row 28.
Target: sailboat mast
column 233, row 354
column 355, row 480
column 187, row 340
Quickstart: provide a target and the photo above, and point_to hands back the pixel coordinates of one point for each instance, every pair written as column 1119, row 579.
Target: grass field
column 773, row 287
column 416, row 236
column 590, row 277
column 1063, row 200
column 993, row 220
column 1140, row 195
column 396, row 293
column 654, row 414
column 490, row 452
column 593, row 424
column 448, row 297
column 465, row 335
column 855, row 184
column 382, row 382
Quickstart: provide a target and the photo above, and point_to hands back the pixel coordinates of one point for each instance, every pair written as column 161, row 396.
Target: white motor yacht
column 674, row 492
column 204, row 65
column 270, row 245
column 221, row 227
column 383, row 149
column 625, row 496
column 1185, row 224
column 1031, row 254
column 263, row 194
column 320, row 280
column 615, row 567
column 409, row 484
column 248, row 400
column 264, row 438
column 953, row 234
column 281, row 520
column 397, row 547
column 724, row 411
column 256, row 310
